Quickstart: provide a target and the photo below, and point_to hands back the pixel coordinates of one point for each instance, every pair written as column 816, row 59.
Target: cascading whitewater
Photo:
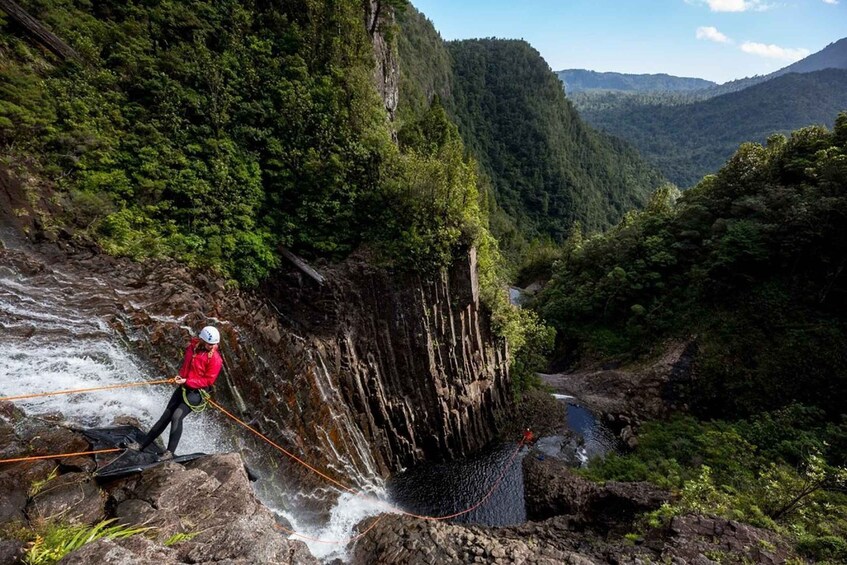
column 58, row 334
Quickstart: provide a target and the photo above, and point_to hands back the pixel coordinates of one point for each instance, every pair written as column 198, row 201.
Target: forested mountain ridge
column 688, row 141
column 833, row 56
column 579, row 80
column 548, row 169
column 690, row 133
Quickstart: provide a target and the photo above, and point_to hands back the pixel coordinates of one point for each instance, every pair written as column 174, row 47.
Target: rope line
column 282, row 449
column 81, row 390
column 269, row 441
column 60, row 455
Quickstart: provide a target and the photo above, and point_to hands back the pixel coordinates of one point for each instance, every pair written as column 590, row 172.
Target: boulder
column 708, row 539
column 15, row 482
column 212, row 498
column 551, row 488
column 136, row 550
column 11, row 552
column 73, row 498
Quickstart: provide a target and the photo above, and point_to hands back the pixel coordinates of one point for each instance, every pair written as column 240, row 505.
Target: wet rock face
column 403, row 540
column 378, row 370
column 552, row 489
column 378, row 16
column 366, row 374
column 209, row 499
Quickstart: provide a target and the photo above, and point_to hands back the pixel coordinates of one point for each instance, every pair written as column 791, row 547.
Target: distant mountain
column 689, row 133
column 833, row 56
column 691, row 140
column 579, row 80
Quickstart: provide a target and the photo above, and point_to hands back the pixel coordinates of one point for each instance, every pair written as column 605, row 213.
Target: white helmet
column 210, row 335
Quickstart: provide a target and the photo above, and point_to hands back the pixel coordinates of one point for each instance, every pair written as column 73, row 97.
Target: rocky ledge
column 209, row 501
column 579, row 523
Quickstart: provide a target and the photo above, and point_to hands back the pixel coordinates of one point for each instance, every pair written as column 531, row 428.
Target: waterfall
column 56, row 335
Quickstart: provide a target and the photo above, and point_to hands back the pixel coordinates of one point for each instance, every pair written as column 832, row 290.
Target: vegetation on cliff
column 217, row 131
column 546, row 167
column 751, row 263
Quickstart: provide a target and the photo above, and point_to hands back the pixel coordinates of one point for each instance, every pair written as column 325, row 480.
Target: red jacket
column 200, row 370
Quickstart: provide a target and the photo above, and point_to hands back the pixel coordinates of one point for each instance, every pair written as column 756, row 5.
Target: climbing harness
column 204, row 400
column 207, row 400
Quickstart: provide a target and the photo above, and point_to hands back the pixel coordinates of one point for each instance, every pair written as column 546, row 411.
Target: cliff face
column 414, row 360
column 379, row 17
column 363, row 375
column 366, row 373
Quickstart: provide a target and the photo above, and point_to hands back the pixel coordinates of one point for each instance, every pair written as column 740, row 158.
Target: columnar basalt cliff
column 414, row 359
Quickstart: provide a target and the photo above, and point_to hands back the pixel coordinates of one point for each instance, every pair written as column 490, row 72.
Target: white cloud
column 832, row 2
column 774, row 51
column 712, row 34
column 736, row 5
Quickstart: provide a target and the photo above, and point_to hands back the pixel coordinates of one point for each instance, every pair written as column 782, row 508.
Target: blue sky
column 719, row 40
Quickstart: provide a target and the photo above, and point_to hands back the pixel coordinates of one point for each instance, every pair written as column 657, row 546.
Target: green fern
column 57, row 540
column 38, row 486
column 180, row 537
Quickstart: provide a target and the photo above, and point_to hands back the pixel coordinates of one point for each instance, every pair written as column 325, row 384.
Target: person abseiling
column 199, row 370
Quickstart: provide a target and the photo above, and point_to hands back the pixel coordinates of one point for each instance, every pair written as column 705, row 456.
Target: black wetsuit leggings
column 175, row 412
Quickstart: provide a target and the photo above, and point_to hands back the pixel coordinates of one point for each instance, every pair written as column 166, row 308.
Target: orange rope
column 368, row 497
column 280, row 448
column 59, row 455
column 80, row 390
column 315, row 470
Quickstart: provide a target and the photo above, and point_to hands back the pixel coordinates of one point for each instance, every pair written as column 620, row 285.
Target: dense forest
column 687, row 138
column 217, row 131
column 547, row 168
column 750, row 264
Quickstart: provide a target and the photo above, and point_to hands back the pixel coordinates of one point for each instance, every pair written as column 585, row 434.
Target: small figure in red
column 528, row 437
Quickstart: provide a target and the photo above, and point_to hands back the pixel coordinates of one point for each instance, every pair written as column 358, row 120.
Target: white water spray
column 55, row 337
